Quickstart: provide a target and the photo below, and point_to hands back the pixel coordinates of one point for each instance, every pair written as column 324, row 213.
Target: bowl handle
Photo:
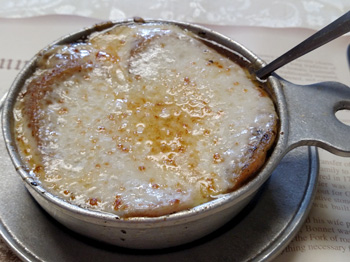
column 311, row 110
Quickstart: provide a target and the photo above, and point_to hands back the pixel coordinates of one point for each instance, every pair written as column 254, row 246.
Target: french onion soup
column 142, row 120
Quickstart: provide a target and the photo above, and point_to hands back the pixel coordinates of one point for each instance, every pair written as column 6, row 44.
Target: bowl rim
column 222, row 201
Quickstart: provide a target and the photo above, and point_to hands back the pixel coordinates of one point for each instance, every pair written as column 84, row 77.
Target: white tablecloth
column 273, row 13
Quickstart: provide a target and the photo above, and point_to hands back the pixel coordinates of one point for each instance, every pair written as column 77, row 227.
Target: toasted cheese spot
column 117, row 203
column 93, row 201
column 155, row 186
column 217, row 158
column 142, row 120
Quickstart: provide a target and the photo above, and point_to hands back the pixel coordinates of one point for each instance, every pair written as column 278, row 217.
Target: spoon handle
column 325, row 35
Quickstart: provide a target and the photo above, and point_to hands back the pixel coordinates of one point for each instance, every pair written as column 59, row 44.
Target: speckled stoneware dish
column 306, row 115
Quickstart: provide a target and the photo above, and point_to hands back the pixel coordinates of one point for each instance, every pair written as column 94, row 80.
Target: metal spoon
column 325, row 35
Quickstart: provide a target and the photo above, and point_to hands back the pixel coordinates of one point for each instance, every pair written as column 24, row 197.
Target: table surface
column 271, row 13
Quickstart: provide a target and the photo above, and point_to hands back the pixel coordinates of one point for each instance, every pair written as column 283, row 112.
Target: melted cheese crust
column 142, row 120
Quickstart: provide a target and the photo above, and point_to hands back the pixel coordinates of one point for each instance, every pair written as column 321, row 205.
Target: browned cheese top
column 142, row 120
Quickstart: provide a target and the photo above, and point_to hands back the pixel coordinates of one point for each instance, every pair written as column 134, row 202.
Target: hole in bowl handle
column 312, row 120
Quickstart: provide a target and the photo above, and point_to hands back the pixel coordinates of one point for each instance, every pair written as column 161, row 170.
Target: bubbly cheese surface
column 142, row 120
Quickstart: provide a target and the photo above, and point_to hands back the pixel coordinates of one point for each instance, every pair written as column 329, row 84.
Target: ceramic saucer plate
column 258, row 233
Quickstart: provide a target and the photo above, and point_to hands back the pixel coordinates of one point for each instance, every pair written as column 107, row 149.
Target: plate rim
column 274, row 248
